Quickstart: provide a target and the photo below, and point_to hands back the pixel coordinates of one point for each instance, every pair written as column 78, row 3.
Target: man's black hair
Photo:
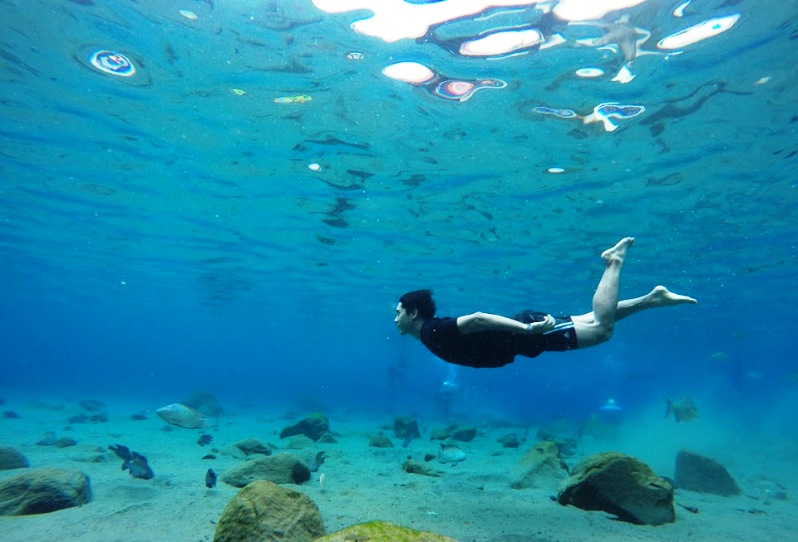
column 420, row 300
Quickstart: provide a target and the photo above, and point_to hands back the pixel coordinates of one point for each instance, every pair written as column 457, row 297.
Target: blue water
column 162, row 234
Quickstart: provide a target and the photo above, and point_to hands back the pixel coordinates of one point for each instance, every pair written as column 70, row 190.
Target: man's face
column 404, row 321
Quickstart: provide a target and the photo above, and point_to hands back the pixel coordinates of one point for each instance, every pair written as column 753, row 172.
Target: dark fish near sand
column 210, row 479
column 182, row 416
column 133, row 462
column 683, row 410
column 320, row 457
column 450, row 453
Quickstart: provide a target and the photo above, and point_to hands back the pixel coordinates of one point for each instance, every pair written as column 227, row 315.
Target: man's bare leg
column 605, row 300
column 658, row 297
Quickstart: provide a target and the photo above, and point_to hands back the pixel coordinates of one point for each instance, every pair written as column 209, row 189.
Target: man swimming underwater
column 489, row 340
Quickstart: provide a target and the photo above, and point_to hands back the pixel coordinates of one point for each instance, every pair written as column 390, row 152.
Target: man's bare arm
column 482, row 321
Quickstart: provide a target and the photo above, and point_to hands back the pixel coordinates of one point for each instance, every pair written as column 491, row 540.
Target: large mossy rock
column 382, row 531
column 43, row 490
column 264, row 511
column 620, row 485
column 312, row 426
column 703, row 474
column 279, row 468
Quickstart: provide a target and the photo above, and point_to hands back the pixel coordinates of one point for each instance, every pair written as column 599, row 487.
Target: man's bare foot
column 660, row 296
column 618, row 252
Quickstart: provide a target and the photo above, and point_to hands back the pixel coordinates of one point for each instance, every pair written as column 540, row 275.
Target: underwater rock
column 279, row 468
column 11, row 458
column 695, row 472
column 406, row 428
column 312, row 426
column 65, row 442
column 40, row 491
column 91, row 405
column 327, row 438
column 416, row 467
column 265, row 511
column 620, row 485
column 380, row 441
column 566, row 444
column 48, row 440
column 11, row 415
column 382, row 531
column 299, row 442
column 205, row 439
column 252, row 446
column 78, row 418
column 541, row 466
column 510, row 440
column 463, row 433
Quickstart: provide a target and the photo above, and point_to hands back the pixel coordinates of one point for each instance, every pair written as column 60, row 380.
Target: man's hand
column 547, row 324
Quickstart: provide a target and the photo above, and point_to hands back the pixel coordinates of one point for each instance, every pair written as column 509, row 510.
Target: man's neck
column 416, row 329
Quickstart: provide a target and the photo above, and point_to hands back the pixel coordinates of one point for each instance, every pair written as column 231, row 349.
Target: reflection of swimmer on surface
column 621, row 34
column 505, row 41
column 601, row 113
column 438, row 85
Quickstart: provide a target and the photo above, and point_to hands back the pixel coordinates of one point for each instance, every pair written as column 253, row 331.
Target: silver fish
column 450, row 453
column 683, row 410
column 182, row 416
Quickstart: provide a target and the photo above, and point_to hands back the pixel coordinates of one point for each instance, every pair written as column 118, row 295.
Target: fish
column 320, row 457
column 301, row 99
column 719, row 357
column 182, row 416
column 450, row 453
column 210, row 479
column 683, row 410
column 133, row 462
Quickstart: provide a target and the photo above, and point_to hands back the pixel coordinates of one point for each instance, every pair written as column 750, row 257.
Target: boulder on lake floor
column 695, row 472
column 39, row 491
column 279, row 468
column 11, row 458
column 541, row 466
column 382, row 531
column 265, row 511
column 620, row 485
column 312, row 426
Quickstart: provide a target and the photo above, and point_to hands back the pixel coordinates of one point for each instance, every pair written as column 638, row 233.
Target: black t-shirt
column 494, row 348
